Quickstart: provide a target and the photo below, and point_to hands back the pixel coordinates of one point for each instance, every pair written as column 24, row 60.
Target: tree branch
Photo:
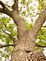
column 15, row 5
column 40, row 46
column 4, row 9
column 21, row 28
column 2, row 4
column 38, row 24
column 1, row 46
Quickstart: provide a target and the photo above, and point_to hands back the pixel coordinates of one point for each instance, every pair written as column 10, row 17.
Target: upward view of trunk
column 25, row 49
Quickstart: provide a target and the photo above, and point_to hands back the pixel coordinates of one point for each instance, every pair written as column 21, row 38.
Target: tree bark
column 28, row 56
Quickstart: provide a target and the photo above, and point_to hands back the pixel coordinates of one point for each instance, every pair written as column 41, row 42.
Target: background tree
column 27, row 39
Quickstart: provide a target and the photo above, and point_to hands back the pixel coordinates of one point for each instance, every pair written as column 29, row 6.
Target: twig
column 40, row 46
column 1, row 46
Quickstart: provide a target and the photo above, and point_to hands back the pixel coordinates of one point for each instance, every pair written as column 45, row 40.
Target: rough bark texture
column 21, row 55
column 25, row 48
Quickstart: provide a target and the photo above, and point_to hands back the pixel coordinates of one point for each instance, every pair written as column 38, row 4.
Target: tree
column 25, row 48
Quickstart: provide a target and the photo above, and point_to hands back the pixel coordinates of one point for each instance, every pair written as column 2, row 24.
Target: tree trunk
column 21, row 54
column 27, row 56
column 27, row 51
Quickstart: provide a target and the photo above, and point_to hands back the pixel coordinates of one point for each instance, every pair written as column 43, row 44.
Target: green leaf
column 6, row 20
